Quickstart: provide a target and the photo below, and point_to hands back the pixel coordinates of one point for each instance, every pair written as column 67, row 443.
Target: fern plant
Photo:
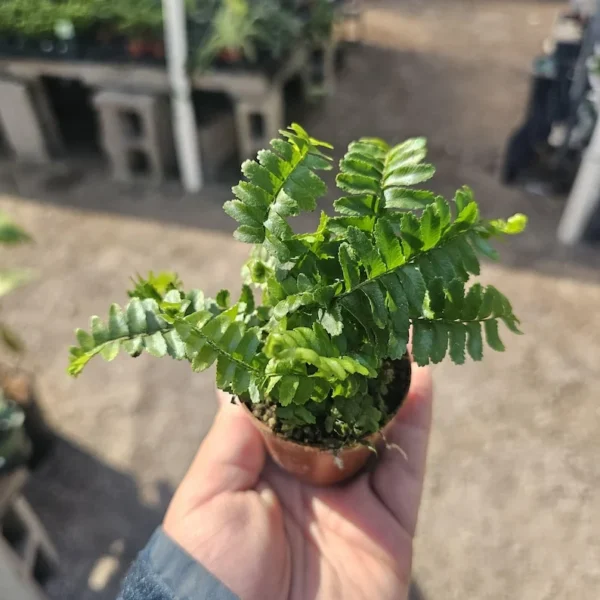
column 315, row 357
column 233, row 30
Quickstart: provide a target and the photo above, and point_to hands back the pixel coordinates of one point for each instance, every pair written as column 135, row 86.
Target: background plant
column 11, row 278
column 14, row 447
column 320, row 20
column 232, row 28
column 266, row 26
column 278, row 27
column 336, row 304
column 38, row 18
column 131, row 17
column 245, row 28
column 594, row 64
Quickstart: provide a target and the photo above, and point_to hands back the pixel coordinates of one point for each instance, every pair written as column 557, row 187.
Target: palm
column 275, row 537
column 342, row 543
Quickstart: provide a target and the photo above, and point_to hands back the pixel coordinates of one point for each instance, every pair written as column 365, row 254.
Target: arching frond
column 280, row 183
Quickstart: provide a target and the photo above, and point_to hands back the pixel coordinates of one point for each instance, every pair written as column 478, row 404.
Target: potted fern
column 320, row 17
column 231, row 37
column 320, row 361
column 242, row 34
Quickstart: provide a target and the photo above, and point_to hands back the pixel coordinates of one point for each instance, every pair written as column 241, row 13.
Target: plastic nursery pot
column 320, row 466
column 231, row 55
column 158, row 50
column 136, row 48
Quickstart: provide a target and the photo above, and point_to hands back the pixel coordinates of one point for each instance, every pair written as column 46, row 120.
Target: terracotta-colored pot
column 231, row 55
column 315, row 465
column 158, row 49
column 136, row 48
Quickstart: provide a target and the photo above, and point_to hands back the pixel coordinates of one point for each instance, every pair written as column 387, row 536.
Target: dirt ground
column 513, row 486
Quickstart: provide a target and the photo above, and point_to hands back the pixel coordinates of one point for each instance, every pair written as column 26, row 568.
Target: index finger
column 398, row 477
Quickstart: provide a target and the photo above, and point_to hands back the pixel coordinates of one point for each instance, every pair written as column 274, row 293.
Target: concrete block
column 27, row 120
column 218, row 142
column 584, row 200
column 31, row 542
column 48, row 120
column 350, row 22
column 319, row 73
column 136, row 134
column 258, row 120
column 27, row 557
column 12, row 584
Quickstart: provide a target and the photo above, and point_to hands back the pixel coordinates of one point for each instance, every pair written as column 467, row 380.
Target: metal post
column 184, row 122
column 585, row 196
column 584, row 199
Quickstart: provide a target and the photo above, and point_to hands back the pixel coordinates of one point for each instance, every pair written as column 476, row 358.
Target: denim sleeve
column 164, row 571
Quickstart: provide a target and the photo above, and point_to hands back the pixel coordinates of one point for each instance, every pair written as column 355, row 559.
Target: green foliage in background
column 278, row 28
column 38, row 18
column 130, row 16
column 14, row 445
column 594, row 64
column 320, row 23
column 335, row 304
column 244, row 27
column 232, row 28
column 235, row 26
column 12, row 278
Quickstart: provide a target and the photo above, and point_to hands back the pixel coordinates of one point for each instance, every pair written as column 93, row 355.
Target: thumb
column 230, row 459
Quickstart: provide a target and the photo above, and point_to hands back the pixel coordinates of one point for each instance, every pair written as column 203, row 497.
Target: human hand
column 267, row 536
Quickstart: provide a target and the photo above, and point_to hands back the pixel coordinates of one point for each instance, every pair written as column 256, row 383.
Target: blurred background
column 122, row 129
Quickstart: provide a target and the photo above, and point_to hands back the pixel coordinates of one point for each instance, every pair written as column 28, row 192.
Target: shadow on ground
column 415, row 592
column 95, row 517
column 392, row 93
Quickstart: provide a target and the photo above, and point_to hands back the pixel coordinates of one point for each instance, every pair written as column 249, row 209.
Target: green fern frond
column 317, row 295
column 379, row 178
column 183, row 326
column 387, row 275
column 305, row 363
column 222, row 339
column 455, row 322
column 281, row 183
column 312, row 347
column 154, row 286
column 138, row 327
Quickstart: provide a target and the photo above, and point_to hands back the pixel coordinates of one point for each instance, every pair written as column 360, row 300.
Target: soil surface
column 317, row 434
